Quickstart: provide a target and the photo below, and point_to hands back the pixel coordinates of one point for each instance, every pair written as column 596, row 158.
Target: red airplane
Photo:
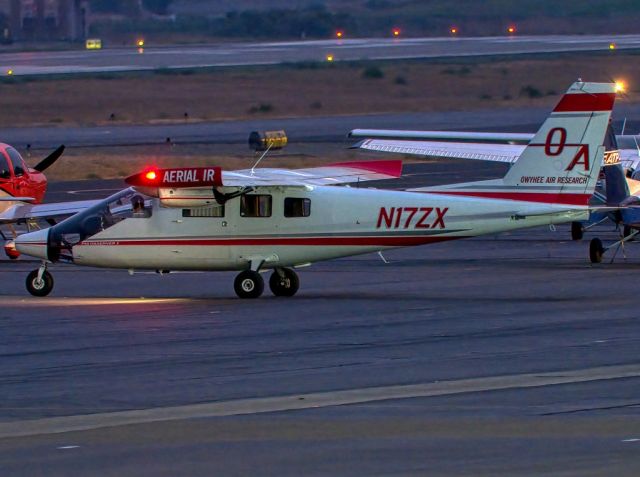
column 20, row 185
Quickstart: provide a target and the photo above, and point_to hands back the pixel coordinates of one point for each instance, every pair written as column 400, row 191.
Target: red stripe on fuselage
column 563, row 199
column 580, row 102
column 280, row 241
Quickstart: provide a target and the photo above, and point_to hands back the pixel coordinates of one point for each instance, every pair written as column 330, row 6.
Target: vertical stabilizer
column 562, row 162
column 565, row 155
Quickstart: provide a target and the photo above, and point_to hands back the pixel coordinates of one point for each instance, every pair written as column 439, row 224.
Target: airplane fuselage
column 342, row 221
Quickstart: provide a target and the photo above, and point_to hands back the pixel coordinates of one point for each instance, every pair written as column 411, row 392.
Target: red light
column 396, row 32
column 453, row 30
column 339, row 34
column 511, row 29
column 151, row 175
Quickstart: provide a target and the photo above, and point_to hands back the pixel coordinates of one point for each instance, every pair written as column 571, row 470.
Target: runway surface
column 239, row 54
column 316, row 129
column 503, row 355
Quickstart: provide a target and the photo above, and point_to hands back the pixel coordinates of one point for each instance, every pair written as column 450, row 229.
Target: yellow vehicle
column 93, row 44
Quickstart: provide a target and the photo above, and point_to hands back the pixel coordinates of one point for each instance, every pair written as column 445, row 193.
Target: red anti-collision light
column 177, row 177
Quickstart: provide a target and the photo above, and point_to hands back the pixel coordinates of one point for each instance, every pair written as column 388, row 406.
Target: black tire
column 627, row 230
column 596, row 250
column 39, row 287
column 248, row 284
column 286, row 285
column 577, row 232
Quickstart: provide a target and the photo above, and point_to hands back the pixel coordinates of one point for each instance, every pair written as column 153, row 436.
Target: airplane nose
column 34, row 243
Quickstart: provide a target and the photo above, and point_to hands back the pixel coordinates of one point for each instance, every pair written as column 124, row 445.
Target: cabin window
column 16, row 161
column 297, row 207
column 255, row 205
column 4, row 167
column 140, row 209
column 210, row 211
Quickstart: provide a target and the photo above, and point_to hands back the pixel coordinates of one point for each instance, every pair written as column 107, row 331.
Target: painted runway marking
column 57, row 425
column 67, row 447
column 631, row 440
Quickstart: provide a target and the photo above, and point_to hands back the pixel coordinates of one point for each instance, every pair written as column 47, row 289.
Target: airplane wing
column 19, row 212
column 11, row 198
column 332, row 174
column 461, row 150
column 460, row 136
column 629, row 158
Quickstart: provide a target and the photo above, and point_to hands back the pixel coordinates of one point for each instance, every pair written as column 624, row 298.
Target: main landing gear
column 40, row 281
column 597, row 250
column 283, row 282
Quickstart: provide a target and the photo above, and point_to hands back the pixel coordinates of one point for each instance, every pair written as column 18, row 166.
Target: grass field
column 286, row 91
column 304, row 90
column 119, row 162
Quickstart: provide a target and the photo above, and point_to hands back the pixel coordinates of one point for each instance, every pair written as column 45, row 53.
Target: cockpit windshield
column 19, row 167
column 122, row 205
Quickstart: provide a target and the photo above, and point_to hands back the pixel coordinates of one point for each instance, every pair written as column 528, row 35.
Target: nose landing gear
column 40, row 281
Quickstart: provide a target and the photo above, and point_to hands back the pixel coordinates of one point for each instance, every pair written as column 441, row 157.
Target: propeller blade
column 50, row 159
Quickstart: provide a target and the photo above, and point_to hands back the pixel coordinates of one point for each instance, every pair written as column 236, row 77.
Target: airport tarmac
column 331, row 129
column 245, row 54
column 496, row 355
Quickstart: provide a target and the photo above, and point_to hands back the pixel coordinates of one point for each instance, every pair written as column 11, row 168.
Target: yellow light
column 140, row 43
column 620, row 87
column 151, row 175
column 511, row 29
column 9, row 72
column 396, row 32
column 612, row 46
column 329, row 57
column 453, row 30
column 339, row 34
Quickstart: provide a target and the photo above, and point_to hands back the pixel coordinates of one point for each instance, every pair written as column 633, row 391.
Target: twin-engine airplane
column 254, row 220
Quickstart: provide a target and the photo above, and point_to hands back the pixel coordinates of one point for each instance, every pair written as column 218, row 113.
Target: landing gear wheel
column 596, row 250
column 285, row 285
column 39, row 287
column 577, row 231
column 248, row 284
column 627, row 231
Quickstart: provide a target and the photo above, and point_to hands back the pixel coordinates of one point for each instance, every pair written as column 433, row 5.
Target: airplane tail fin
column 616, row 186
column 562, row 162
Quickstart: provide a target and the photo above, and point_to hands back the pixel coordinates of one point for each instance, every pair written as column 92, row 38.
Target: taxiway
column 245, row 54
column 496, row 355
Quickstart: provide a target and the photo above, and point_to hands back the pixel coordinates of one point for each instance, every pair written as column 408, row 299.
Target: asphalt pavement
column 269, row 53
column 329, row 129
column 507, row 354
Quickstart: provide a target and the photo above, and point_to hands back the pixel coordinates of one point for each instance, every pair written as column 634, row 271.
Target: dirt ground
column 120, row 162
column 285, row 91
column 305, row 90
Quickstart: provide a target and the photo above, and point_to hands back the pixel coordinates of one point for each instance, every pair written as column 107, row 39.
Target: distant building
column 47, row 19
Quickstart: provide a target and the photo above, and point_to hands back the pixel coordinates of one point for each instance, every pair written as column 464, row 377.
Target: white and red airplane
column 22, row 189
column 256, row 220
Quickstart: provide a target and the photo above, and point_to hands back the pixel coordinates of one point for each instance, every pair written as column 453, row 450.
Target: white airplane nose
column 33, row 243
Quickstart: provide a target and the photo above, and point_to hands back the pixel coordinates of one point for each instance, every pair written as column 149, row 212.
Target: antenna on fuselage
column 265, row 141
column 261, row 157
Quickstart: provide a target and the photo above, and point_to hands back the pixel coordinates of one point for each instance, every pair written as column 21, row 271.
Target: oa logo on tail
column 555, row 144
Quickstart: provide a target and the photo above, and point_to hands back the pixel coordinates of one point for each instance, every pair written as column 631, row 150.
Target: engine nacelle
column 263, row 140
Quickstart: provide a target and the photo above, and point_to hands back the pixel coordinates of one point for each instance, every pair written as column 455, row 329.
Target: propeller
column 50, row 159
